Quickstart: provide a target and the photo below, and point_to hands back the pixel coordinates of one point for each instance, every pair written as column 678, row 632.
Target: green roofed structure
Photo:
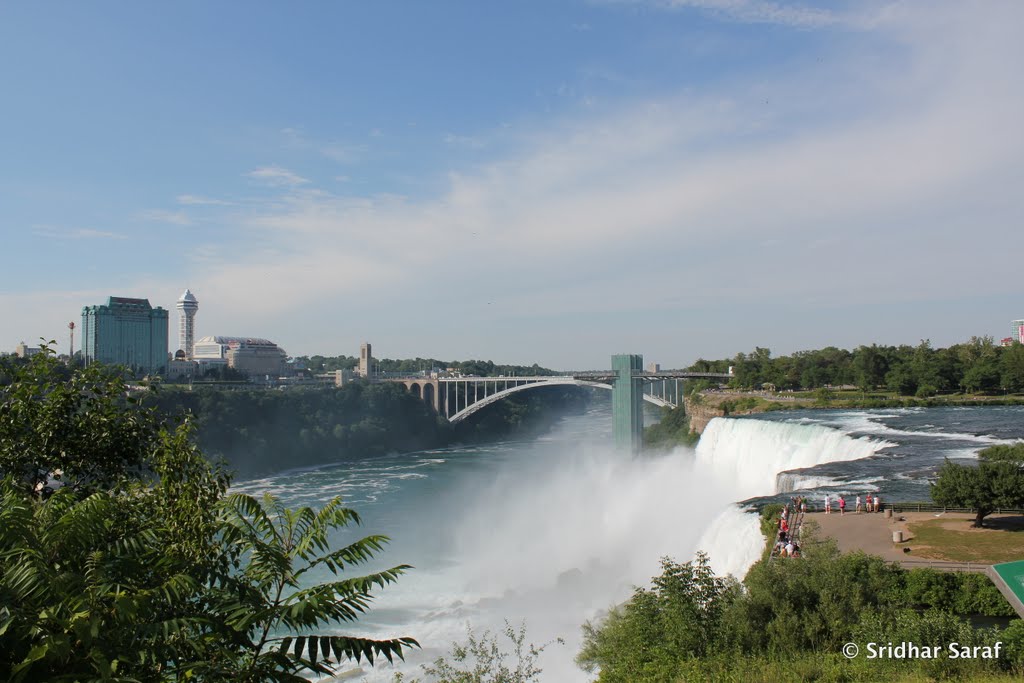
column 628, row 402
column 126, row 331
column 1009, row 579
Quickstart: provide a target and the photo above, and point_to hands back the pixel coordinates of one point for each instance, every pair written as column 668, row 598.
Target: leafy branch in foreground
column 272, row 547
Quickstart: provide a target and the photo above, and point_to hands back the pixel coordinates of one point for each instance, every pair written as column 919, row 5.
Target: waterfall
column 752, row 453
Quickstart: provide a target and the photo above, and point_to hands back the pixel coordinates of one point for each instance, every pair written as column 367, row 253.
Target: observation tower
column 187, row 306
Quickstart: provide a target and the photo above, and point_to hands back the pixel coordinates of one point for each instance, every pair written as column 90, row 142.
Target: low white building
column 250, row 355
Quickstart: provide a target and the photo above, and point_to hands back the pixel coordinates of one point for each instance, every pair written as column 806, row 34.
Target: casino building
column 251, row 355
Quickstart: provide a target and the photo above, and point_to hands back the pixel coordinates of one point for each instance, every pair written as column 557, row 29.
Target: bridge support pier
column 427, row 389
column 628, row 402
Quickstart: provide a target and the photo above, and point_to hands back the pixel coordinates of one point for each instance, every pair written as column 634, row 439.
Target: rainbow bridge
column 459, row 397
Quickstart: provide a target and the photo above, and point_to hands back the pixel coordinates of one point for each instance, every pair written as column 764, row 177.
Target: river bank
column 707, row 405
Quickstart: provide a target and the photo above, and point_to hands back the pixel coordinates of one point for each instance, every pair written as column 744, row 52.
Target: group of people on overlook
column 870, row 504
column 791, row 520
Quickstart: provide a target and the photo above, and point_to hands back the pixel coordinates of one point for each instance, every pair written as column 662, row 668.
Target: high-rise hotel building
column 128, row 332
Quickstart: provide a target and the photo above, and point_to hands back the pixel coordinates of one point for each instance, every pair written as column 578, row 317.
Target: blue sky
column 545, row 182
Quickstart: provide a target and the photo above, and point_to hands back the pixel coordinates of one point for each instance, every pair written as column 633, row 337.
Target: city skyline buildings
column 253, row 351
column 532, row 184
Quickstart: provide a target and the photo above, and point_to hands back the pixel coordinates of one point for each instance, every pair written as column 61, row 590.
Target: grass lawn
column 956, row 541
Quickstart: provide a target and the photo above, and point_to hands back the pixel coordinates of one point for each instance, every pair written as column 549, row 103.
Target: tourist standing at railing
column 828, row 505
column 842, row 505
column 858, row 505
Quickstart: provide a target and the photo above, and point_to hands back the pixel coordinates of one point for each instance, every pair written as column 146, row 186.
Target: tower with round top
column 187, row 306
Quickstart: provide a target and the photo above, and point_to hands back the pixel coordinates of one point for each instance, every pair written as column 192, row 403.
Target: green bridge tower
column 628, row 402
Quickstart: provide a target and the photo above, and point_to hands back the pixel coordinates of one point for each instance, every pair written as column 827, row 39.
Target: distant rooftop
column 188, row 297
column 127, row 301
column 125, row 304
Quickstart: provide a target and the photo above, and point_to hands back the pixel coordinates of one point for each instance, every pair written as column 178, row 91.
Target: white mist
column 556, row 541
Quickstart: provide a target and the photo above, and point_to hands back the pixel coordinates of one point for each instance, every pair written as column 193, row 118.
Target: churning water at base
column 553, row 532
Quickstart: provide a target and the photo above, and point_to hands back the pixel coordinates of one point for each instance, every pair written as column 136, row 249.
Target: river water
column 551, row 532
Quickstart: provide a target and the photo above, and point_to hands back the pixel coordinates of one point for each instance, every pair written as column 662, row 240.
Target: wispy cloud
column 277, row 176
column 754, row 11
column 343, row 153
column 197, row 200
column 294, row 137
column 51, row 232
column 165, row 216
column 464, row 140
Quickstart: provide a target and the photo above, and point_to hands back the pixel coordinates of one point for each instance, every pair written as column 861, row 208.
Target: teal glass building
column 126, row 332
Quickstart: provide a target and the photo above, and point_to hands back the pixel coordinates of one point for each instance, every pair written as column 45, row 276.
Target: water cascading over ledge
column 752, row 453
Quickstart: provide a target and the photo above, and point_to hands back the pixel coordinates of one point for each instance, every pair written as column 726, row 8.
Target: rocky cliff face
column 701, row 414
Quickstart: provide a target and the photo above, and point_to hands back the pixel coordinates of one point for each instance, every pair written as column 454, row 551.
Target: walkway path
column 872, row 533
column 868, row 531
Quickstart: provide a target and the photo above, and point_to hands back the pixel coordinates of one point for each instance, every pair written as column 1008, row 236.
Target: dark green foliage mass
column 790, row 619
column 142, row 567
column 978, row 366
column 260, row 430
column 672, row 430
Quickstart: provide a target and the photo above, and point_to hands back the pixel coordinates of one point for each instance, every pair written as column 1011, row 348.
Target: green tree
column 997, row 481
column 646, row 638
column 142, row 568
column 901, row 380
column 1011, row 368
column 84, row 430
column 869, row 367
column 925, row 366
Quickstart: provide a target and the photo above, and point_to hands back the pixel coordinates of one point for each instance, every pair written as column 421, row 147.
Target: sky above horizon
column 548, row 182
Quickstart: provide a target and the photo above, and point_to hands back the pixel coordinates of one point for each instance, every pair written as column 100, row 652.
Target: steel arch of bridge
column 518, row 384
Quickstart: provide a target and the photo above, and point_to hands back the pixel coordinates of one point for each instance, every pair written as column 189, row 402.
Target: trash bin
column 888, row 512
column 897, row 536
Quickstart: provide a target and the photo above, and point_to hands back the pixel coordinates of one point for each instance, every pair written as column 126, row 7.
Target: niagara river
column 552, row 532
